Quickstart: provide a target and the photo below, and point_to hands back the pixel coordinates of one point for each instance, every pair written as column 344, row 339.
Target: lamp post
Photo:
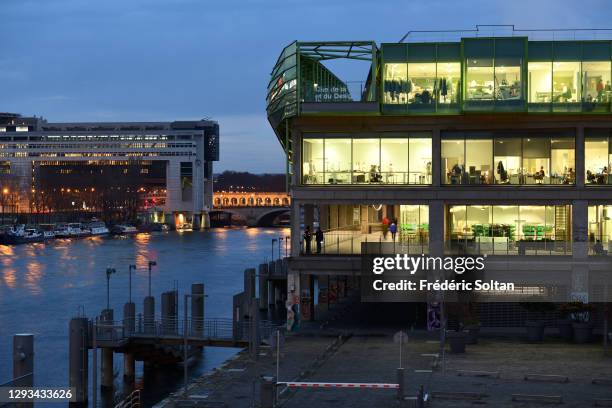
column 273, row 242
column 109, row 272
column 130, row 269
column 151, row 264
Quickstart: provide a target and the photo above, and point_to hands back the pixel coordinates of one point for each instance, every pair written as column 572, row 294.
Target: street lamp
column 151, row 264
column 5, row 192
column 109, row 272
column 130, row 269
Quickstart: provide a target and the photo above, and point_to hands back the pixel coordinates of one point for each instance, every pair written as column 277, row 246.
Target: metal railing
column 205, row 329
column 469, row 244
column 131, row 401
column 350, row 242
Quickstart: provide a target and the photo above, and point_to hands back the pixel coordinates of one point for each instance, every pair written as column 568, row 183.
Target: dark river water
column 43, row 285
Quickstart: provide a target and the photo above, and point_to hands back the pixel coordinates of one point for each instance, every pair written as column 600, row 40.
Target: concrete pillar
column 23, row 359
column 168, row 312
column 295, row 228
column 197, row 309
column 197, row 221
column 129, row 367
column 263, row 286
column 129, row 318
column 78, row 357
column 580, row 169
column 580, row 231
column 249, row 283
column 107, row 318
column 254, row 333
column 436, row 228
column 149, row 314
column 267, row 392
column 436, row 163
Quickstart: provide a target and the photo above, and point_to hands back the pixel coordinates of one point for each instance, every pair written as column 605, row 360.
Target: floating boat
column 98, row 228
column 21, row 235
column 123, row 229
column 77, row 230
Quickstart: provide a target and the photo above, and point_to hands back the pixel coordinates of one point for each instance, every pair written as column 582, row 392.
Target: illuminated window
column 395, row 84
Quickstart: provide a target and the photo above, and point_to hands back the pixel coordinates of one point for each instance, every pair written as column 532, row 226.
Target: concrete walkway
column 374, row 357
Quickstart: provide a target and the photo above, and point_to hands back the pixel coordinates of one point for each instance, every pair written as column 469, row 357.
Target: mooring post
column 197, row 309
column 266, row 392
column 149, row 314
column 78, row 358
column 263, row 286
column 400, row 382
column 107, row 319
column 129, row 327
column 167, row 312
column 23, row 363
column 254, row 335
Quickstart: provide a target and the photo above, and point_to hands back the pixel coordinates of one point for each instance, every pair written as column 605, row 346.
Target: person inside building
column 319, row 239
column 307, row 239
column 393, row 229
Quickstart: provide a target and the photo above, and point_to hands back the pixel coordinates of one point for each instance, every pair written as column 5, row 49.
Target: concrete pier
column 78, row 358
column 169, row 312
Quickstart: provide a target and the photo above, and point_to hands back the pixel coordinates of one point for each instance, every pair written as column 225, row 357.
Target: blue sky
column 80, row 60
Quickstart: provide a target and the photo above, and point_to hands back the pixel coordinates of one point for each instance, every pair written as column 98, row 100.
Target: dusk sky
column 150, row 60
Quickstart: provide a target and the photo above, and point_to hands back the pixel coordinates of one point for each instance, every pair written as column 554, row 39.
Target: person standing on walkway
column 319, row 239
column 393, row 230
column 307, row 239
column 385, row 227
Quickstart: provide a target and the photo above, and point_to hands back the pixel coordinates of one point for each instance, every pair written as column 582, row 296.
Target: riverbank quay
column 497, row 372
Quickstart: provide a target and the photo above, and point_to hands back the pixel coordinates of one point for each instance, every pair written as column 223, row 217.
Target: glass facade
column 600, row 229
column 530, row 159
column 421, row 78
column 597, row 157
column 384, row 159
column 346, row 227
column 508, row 229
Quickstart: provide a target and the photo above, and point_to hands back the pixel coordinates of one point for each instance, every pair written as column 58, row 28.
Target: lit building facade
column 483, row 145
column 169, row 165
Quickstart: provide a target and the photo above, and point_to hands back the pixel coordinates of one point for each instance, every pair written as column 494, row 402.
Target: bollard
column 266, row 392
column 149, row 315
column 78, row 358
column 400, row 382
column 129, row 318
column 263, row 286
column 107, row 319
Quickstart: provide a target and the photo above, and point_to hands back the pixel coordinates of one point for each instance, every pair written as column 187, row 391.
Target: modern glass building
column 496, row 145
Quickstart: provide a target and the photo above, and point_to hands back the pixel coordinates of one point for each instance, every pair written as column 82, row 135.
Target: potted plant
column 565, row 324
column 456, row 340
column 471, row 324
column 580, row 315
column 535, row 328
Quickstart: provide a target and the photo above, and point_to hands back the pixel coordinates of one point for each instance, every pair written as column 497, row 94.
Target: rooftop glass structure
column 458, row 72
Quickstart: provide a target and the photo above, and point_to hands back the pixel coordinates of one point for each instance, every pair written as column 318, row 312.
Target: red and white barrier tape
column 337, row 385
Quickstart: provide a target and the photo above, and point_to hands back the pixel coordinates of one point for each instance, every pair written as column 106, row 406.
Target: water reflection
column 51, row 281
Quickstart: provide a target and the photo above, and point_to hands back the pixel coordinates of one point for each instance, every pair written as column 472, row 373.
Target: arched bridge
column 256, row 209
